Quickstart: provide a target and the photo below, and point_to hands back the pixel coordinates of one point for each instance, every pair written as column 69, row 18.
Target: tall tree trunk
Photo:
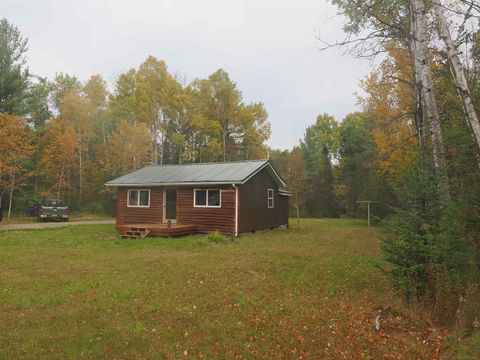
column 162, row 137
column 80, row 175
column 298, row 212
column 421, row 56
column 457, row 69
column 61, row 175
column 224, row 145
column 104, row 135
column 10, row 200
column 417, row 80
column 37, row 160
column 155, row 144
column 224, row 134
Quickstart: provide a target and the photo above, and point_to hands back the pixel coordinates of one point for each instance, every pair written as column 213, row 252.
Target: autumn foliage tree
column 424, row 107
column 15, row 148
column 134, row 140
column 390, row 99
column 60, row 157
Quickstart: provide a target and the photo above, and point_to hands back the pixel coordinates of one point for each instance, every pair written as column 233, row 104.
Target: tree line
column 413, row 148
column 65, row 138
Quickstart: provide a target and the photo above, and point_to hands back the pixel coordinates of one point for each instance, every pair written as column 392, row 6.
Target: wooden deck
column 157, row 229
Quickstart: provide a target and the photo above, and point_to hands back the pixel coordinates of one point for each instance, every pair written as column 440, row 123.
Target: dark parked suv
column 53, row 209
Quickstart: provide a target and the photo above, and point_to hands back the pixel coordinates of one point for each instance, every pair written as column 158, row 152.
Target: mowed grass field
column 306, row 292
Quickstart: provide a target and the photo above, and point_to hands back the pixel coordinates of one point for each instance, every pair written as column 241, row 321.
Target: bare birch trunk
column 298, row 213
column 155, row 145
column 162, row 136
column 224, row 134
column 61, row 175
column 424, row 69
column 80, row 175
column 10, row 200
column 37, row 160
column 457, row 68
column 417, row 80
column 161, row 146
column 224, row 145
column 421, row 57
column 104, row 133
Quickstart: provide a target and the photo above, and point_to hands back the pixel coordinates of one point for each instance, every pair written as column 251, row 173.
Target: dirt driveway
column 53, row 224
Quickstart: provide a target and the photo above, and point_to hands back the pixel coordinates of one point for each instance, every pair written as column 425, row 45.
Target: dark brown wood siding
column 132, row 215
column 254, row 211
column 207, row 219
column 283, row 210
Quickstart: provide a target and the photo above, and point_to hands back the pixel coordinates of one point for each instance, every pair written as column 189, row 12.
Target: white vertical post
column 368, row 202
column 236, row 209
column 368, row 211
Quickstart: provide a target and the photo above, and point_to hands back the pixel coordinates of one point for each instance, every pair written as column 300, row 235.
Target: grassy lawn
column 307, row 292
column 470, row 347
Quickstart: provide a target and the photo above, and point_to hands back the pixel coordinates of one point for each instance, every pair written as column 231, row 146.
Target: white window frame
column 206, row 199
column 271, row 197
column 138, row 198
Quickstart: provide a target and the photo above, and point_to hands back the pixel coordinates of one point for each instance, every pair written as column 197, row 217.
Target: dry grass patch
column 308, row 292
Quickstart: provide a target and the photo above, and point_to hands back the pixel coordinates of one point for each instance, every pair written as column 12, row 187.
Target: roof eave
column 176, row 183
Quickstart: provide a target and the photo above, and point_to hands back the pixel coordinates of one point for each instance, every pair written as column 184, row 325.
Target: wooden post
column 368, row 202
column 368, row 211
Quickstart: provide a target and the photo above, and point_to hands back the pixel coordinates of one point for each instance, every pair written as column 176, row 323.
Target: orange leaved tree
column 15, row 147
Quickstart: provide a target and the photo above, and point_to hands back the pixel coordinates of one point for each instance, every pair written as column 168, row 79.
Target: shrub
column 411, row 245
column 216, row 237
column 431, row 246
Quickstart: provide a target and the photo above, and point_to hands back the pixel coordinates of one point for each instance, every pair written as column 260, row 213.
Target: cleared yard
column 307, row 292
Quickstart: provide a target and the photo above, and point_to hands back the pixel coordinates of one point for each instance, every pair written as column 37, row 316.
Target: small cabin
column 170, row 200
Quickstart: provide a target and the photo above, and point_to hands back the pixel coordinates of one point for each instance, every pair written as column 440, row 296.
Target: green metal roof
column 189, row 174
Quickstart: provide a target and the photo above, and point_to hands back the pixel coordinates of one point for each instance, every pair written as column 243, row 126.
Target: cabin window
column 214, row 198
column 138, row 198
column 200, row 197
column 270, row 200
column 207, row 198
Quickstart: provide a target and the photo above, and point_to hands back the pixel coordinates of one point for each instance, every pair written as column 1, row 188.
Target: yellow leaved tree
column 60, row 156
column 127, row 149
column 15, row 147
column 389, row 100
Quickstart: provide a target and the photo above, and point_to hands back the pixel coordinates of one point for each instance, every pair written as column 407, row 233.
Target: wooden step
column 145, row 233
column 158, row 229
column 137, row 229
column 135, row 233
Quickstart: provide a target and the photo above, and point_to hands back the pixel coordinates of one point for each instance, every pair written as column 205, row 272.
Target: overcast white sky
column 269, row 48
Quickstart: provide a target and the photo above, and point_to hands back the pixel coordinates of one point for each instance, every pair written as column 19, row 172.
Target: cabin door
column 170, row 205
